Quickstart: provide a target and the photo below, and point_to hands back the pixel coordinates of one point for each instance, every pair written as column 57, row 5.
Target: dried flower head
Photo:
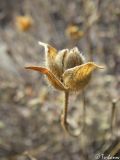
column 67, row 71
column 23, row 23
column 74, row 32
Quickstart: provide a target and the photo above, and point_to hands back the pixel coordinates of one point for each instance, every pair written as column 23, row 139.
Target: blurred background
column 29, row 108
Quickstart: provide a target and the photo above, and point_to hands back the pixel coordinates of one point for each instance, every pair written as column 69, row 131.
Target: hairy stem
column 64, row 113
column 64, row 122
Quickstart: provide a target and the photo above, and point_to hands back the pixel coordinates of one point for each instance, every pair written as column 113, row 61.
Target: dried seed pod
column 78, row 77
column 73, row 58
column 66, row 71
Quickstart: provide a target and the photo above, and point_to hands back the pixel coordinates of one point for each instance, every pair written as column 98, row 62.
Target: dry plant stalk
column 113, row 113
column 115, row 150
column 28, row 156
column 67, row 71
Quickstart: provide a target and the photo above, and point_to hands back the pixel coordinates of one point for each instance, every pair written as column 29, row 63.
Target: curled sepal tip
column 48, row 48
column 42, row 44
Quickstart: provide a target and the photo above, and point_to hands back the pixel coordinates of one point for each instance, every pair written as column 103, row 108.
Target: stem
column 64, row 122
column 84, row 109
column 113, row 111
column 64, row 113
column 66, row 106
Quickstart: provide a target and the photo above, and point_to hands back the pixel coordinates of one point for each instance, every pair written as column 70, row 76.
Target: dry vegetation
column 29, row 108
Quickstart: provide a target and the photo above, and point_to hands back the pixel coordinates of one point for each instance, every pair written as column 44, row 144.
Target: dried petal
column 78, row 77
column 52, row 78
column 51, row 54
column 60, row 59
column 50, row 51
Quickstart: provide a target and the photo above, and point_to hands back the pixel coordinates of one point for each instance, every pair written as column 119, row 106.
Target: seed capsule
column 60, row 60
column 66, row 69
column 73, row 58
